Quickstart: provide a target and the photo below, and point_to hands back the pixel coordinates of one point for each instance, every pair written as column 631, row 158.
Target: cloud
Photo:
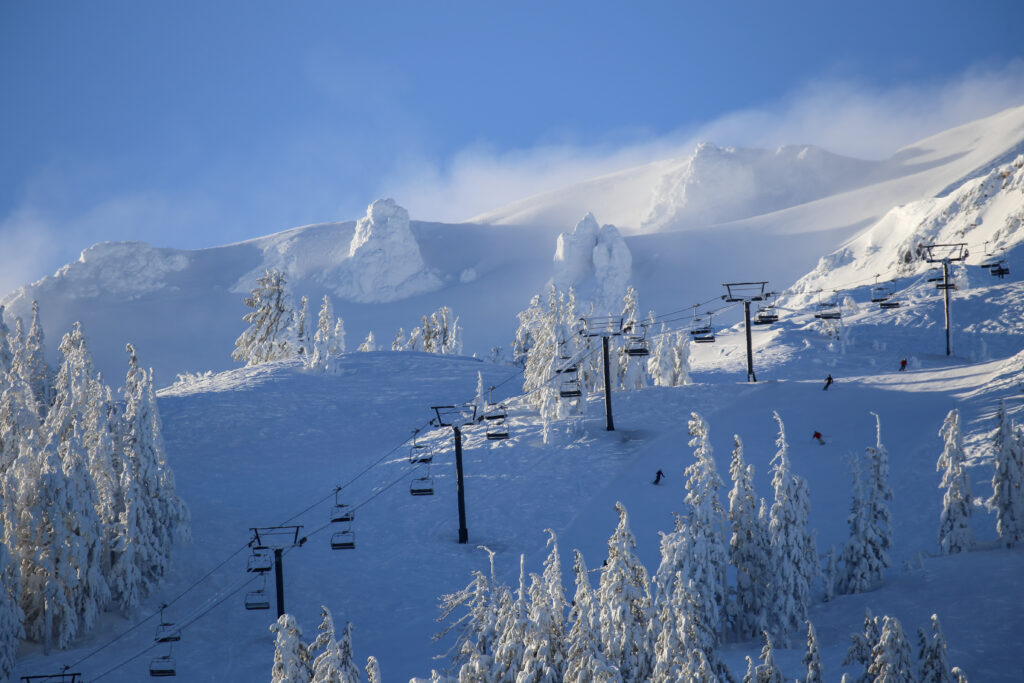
column 843, row 116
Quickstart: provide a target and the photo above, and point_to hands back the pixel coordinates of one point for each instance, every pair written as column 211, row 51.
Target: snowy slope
column 259, row 446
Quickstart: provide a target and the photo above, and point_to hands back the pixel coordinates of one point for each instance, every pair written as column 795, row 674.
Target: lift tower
column 747, row 292
column 946, row 254
column 457, row 417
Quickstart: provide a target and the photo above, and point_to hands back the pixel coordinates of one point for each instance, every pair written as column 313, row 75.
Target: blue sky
column 192, row 124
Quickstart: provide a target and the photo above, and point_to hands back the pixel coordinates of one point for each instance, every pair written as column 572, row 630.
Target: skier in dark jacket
column 658, row 477
column 828, row 382
column 817, row 437
column 903, row 365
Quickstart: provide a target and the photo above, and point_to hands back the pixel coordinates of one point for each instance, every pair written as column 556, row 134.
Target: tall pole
column 463, row 531
column 279, row 580
column 751, row 377
column 945, row 291
column 609, row 424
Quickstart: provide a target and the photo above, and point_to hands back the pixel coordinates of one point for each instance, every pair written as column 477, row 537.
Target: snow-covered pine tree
column 303, row 340
column 369, row 344
column 49, row 551
column 399, row 343
column 448, row 332
column 891, row 656
column 624, row 604
column 931, row 654
column 879, row 495
column 160, row 517
column 767, row 671
column 830, row 575
column 335, row 662
column 6, row 344
column 707, row 524
column 812, row 658
column 38, row 372
column 794, row 559
column 373, row 670
column 857, row 574
column 954, row 522
column 1008, row 481
column 529, row 320
column 291, row 657
column 338, row 341
column 584, row 660
column 681, row 359
column 19, row 421
column 748, row 551
column 632, row 370
column 861, row 646
column 513, row 625
column 660, row 364
column 544, row 656
column 323, row 338
column 266, row 338
column 12, row 618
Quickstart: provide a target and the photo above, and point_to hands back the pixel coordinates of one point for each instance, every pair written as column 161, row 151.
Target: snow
column 267, row 444
column 595, row 261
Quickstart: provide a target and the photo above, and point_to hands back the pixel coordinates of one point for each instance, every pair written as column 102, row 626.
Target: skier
column 817, row 435
column 903, row 365
column 658, row 476
column 828, row 382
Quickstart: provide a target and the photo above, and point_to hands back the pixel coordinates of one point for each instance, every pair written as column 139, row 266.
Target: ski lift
column 344, row 539
column 257, row 599
column 341, row 512
column 163, row 665
column 935, row 277
column 495, row 412
column 63, row 677
column 497, row 430
column 880, row 293
column 422, row 486
column 1000, row 269
column 700, row 329
column 888, row 303
column 165, row 630
column 636, row 345
column 766, row 316
column 569, row 387
column 828, row 309
column 260, row 561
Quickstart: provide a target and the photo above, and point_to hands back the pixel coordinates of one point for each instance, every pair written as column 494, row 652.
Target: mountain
column 268, row 445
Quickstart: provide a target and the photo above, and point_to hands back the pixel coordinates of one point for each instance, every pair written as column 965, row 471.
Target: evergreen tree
column 323, row 339
column 891, row 655
column 632, row 370
column 477, row 629
column 335, row 662
column 38, row 372
column 584, row 660
column 6, row 344
column 660, row 364
column 766, row 671
column 932, row 655
column 748, row 551
column 681, row 360
column 369, row 344
column 399, row 343
column 954, row 522
column 1008, row 481
column 858, row 573
column 291, row 657
column 793, row 555
column 513, row 624
column 303, row 342
column 339, row 337
column 879, row 496
column 830, row 575
column 862, row 645
column 12, row 618
column 373, row 670
column 624, row 604
column 812, row 658
column 266, row 338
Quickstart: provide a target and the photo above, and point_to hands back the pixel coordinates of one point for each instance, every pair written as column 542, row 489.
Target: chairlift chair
column 570, row 387
column 828, row 310
column 422, row 486
column 260, row 561
column 162, row 666
column 766, row 316
column 495, row 411
column 880, row 294
column 636, row 346
column 257, row 600
column 1000, row 270
column 497, row 430
column 344, row 539
column 888, row 304
column 341, row 512
column 167, row 633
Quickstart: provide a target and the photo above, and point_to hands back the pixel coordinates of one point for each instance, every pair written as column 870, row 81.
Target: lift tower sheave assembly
column 946, row 254
column 457, row 417
column 747, row 292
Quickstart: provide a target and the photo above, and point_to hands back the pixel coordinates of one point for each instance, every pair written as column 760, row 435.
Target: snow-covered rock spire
column 595, row 261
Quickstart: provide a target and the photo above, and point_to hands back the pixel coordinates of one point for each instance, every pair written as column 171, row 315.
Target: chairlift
column 163, row 666
column 570, row 387
column 257, row 599
column 495, row 412
column 344, row 539
column 880, row 293
column 1000, row 269
column 497, row 430
column 260, row 561
column 636, row 346
column 341, row 512
column 567, row 364
column 828, row 310
column 888, row 304
column 166, row 631
column 421, row 486
column 766, row 316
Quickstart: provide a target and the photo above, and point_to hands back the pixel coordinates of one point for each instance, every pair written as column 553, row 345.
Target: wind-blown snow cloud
column 842, row 116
